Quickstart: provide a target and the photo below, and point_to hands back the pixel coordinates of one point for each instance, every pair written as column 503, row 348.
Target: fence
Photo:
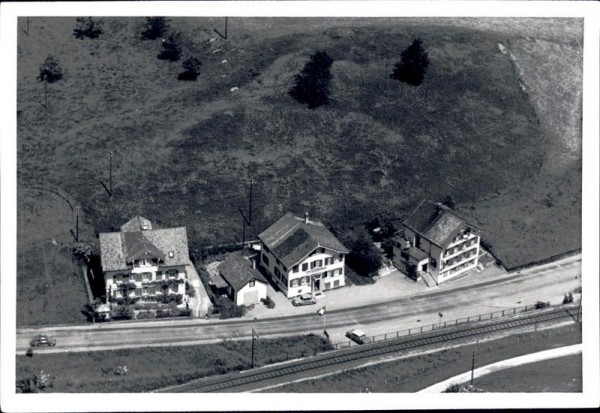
column 442, row 324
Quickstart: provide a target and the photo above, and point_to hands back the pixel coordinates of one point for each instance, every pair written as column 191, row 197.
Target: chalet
column 302, row 256
column 244, row 284
column 436, row 244
column 142, row 262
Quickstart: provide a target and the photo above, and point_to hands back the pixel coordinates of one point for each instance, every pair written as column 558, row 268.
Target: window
column 277, row 273
column 295, row 269
column 319, row 263
column 336, row 283
column 265, row 259
column 146, row 276
column 305, row 266
column 159, row 275
column 145, row 291
column 341, row 257
column 152, row 290
column 251, row 283
column 322, row 250
column 294, row 283
column 137, row 277
column 138, row 292
column 327, row 261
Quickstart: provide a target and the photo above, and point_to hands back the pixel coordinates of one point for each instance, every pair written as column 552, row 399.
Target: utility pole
column 77, row 224
column 473, row 363
column 250, row 204
column 253, row 332
column 247, row 220
column 579, row 307
column 110, row 174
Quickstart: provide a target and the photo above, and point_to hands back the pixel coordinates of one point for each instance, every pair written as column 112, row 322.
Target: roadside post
column 440, row 315
column 257, row 336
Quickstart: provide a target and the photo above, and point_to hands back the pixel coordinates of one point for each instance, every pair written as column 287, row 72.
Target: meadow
column 183, row 152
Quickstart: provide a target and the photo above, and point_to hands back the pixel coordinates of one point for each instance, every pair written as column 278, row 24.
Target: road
column 546, row 283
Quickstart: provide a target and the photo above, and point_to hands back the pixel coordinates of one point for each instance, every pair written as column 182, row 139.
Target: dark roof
column 416, row 253
column 138, row 247
column 436, row 222
column 136, row 224
column 118, row 249
column 291, row 239
column 237, row 271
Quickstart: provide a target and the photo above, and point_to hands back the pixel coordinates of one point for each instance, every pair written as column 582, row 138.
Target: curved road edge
column 505, row 364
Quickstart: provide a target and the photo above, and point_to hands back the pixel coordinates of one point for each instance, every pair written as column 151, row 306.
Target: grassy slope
column 182, row 150
column 416, row 373
column 95, row 371
column 556, row 375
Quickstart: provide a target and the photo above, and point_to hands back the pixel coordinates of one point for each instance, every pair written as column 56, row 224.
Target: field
column 155, row 367
column 50, row 286
column 183, row 152
column 556, row 375
column 416, row 373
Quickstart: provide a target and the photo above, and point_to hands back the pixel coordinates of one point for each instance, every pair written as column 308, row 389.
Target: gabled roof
column 436, row 222
column 291, row 239
column 136, row 224
column 119, row 249
column 237, row 271
column 138, row 247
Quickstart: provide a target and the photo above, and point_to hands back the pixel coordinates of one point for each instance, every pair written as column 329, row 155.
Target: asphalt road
column 545, row 283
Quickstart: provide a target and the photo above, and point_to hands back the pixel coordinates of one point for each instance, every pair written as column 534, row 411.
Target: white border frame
column 173, row 402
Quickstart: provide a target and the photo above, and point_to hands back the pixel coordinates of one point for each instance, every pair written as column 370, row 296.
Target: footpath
column 504, row 364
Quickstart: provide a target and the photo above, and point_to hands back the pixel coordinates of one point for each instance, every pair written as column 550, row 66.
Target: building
column 302, row 256
column 436, row 244
column 243, row 283
column 142, row 262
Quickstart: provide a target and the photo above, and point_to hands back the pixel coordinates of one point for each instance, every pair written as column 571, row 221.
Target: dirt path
column 505, row 364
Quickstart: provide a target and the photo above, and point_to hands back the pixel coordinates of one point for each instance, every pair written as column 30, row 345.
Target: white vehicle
column 358, row 336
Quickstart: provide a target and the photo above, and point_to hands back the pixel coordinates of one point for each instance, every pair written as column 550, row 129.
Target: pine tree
column 87, row 27
column 413, row 64
column 171, row 48
column 50, row 70
column 155, row 27
column 312, row 84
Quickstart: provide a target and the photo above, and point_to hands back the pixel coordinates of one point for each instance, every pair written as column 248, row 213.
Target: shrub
column 155, row 27
column 453, row 388
column 312, row 83
column 171, row 48
column 82, row 251
column 50, row 70
column 413, row 64
column 29, row 352
column 121, row 312
column 228, row 309
column 34, row 384
column 269, row 302
column 87, row 27
column 192, row 69
column 144, row 315
column 189, row 290
column 542, row 304
column 363, row 257
column 568, row 298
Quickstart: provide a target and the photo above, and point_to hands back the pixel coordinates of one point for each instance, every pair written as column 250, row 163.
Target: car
column 304, row 299
column 42, row 340
column 358, row 336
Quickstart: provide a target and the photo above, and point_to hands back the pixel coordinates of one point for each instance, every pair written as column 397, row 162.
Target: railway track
column 338, row 357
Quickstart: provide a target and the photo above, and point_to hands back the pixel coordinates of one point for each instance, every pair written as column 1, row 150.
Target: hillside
column 184, row 151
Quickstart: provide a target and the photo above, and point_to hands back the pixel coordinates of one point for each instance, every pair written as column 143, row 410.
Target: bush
column 82, row 251
column 155, row 27
column 269, row 302
column 121, row 312
column 542, row 304
column 87, row 27
column 189, row 290
column 171, row 48
column 50, row 70
column 453, row 388
column 363, row 258
column 413, row 64
column 568, row 298
column 228, row 309
column 34, row 384
column 29, row 352
column 192, row 69
column 144, row 315
column 312, row 83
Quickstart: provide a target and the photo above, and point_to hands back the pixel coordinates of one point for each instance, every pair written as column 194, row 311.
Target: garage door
column 251, row 297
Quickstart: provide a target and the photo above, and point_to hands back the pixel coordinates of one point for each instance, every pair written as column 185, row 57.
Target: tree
column 87, row 27
column 50, row 70
column 192, row 69
column 312, row 83
column 155, row 27
column 448, row 201
column 171, row 48
column 82, row 251
column 363, row 258
column 413, row 64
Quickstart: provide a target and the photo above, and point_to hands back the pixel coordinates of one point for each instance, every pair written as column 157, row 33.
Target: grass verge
column 155, row 367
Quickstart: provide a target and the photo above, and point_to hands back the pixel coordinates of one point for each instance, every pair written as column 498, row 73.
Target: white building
column 144, row 263
column 302, row 256
column 245, row 285
column 436, row 244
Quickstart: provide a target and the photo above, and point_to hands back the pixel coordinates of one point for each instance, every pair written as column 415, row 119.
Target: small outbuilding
column 245, row 285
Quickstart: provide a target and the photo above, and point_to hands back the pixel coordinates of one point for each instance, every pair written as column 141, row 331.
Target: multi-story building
column 436, row 244
column 302, row 256
column 141, row 262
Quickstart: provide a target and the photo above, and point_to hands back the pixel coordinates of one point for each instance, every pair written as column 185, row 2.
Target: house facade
column 302, row 256
column 144, row 263
column 436, row 244
column 244, row 284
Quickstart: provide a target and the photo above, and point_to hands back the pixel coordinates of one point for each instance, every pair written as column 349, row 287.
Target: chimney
column 306, row 217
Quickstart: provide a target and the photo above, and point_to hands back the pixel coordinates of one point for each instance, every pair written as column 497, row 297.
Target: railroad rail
column 336, row 357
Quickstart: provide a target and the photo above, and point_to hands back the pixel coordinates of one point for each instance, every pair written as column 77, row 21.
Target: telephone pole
column 250, row 204
column 473, row 363
column 110, row 174
column 77, row 224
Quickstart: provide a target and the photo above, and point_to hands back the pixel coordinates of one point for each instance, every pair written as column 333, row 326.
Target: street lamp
column 440, row 315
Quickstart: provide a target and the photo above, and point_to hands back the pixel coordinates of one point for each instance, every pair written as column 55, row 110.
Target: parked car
column 304, row 299
column 358, row 336
column 42, row 340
